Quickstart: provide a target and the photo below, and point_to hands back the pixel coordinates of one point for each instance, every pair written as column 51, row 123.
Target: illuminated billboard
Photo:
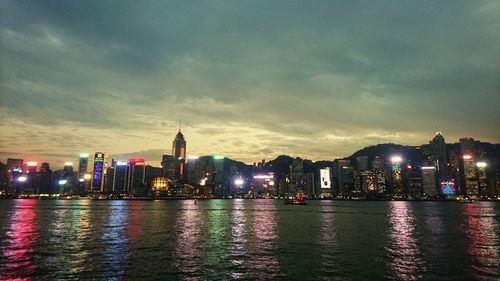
column 324, row 174
column 99, row 167
column 447, row 186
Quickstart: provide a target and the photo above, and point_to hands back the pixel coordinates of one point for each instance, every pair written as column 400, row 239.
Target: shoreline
column 203, row 199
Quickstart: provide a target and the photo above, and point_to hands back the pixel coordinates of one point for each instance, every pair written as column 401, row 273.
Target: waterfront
column 249, row 239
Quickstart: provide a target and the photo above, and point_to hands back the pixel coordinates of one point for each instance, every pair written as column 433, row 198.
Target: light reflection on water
column 135, row 216
column 186, row 258
column 248, row 240
column 82, row 229
column 239, row 241
column 328, row 242
column 217, row 240
column 20, row 238
column 482, row 231
column 405, row 262
column 263, row 259
column 115, row 240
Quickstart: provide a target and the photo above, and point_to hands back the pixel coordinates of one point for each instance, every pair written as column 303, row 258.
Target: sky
column 250, row 80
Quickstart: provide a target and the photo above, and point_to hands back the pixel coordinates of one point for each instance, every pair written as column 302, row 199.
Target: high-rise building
column 482, row 179
column 119, row 185
column 168, row 166
column 439, row 155
column 344, row 177
column 136, row 176
column 368, row 183
column 45, row 179
column 4, row 179
column 468, row 176
column 14, row 169
column 260, row 183
column 468, row 180
column 69, row 176
column 325, row 178
column 467, row 146
column 109, row 178
column 378, row 163
column 362, row 163
column 219, row 189
column 30, row 185
column 396, row 176
column 179, row 154
column 100, row 162
column 429, row 182
column 297, row 179
column 83, row 162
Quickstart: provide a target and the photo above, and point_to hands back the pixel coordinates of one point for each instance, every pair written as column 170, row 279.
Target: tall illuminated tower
column 83, row 162
column 179, row 154
column 100, row 160
column 397, row 178
column 482, row 179
column 438, row 147
column 469, row 176
column 468, row 183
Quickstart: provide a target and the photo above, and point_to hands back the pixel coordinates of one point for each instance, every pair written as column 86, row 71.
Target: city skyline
column 428, row 172
column 248, row 80
column 155, row 160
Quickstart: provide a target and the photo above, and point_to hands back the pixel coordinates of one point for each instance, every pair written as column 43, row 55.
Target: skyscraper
column 429, row 181
column 467, row 145
column 119, row 185
column 31, row 182
column 396, row 176
column 438, row 148
column 168, row 166
column 45, row 179
column 179, row 154
column 83, row 164
column 14, row 168
column 362, row 163
column 482, row 179
column 136, row 176
column 469, row 179
column 100, row 159
column 469, row 184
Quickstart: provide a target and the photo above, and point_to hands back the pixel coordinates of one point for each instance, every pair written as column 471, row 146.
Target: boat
column 297, row 200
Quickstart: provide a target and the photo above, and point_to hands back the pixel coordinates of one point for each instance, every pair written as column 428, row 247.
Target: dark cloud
column 259, row 73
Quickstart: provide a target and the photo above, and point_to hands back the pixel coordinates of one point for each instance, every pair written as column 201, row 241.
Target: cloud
column 317, row 80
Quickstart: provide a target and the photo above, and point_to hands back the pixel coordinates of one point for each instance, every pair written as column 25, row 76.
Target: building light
column 22, row 179
column 32, row 164
column 81, row 180
column 193, row 157
column 481, row 164
column 263, row 176
column 219, row 157
column 428, row 168
column 467, row 157
column 136, row 161
column 63, row 182
column 396, row 159
column 121, row 163
column 84, row 155
column 239, row 182
column 87, row 176
column 68, row 164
